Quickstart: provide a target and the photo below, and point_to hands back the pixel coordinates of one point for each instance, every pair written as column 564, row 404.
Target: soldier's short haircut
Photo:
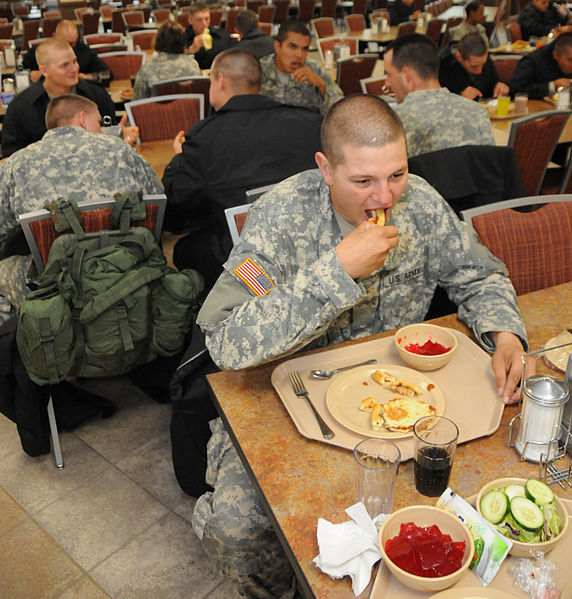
column 472, row 7
column 45, row 50
column 246, row 21
column 65, row 25
column 198, row 7
column 563, row 42
column 62, row 109
column 241, row 67
column 417, row 52
column 294, row 26
column 170, row 38
column 361, row 121
column 472, row 44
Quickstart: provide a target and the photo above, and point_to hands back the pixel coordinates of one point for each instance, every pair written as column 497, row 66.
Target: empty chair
column 328, row 43
column 3, row 20
column 21, row 10
column 535, row 246
column 281, row 14
column 184, row 85
column 254, row 5
column 109, row 48
column 183, row 19
column 328, row 9
column 102, row 38
column 31, row 29
column 52, row 14
column 355, row 22
column 351, row 70
column 123, row 65
column 6, row 31
column 216, row 17
column 505, row 66
column 408, row 27
column 49, row 26
column 306, row 10
column 235, row 219
column 117, row 22
column 266, row 13
column 133, row 19
column 163, row 117
column 231, row 18
column 378, row 14
column 160, row 15
column 90, row 22
column 323, row 27
column 143, row 39
column 514, row 31
column 79, row 11
column 434, row 28
column 533, row 138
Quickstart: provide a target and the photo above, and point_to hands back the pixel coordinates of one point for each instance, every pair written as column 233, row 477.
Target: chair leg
column 58, row 458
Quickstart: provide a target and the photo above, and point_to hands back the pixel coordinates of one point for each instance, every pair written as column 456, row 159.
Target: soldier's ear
column 325, row 168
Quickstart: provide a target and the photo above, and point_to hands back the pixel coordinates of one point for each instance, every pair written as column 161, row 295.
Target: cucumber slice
column 526, row 513
column 515, row 491
column 494, row 506
column 538, row 492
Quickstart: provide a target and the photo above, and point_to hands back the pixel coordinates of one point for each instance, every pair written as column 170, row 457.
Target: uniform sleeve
column 30, row 61
column 244, row 329
column 525, row 79
column 8, row 220
column 141, row 88
column 144, row 173
column 15, row 134
column 333, row 91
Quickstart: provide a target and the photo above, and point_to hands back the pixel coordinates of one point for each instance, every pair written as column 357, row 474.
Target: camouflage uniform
column 314, row 302
column 456, row 33
column 435, row 119
column 68, row 162
column 161, row 67
column 282, row 88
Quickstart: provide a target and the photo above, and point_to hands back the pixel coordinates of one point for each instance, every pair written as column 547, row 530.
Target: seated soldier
column 288, row 75
column 73, row 160
column 433, row 117
column 24, row 122
column 199, row 21
column 540, row 17
column 401, row 11
column 543, row 71
column 251, row 37
column 330, row 275
column 475, row 12
column 467, row 69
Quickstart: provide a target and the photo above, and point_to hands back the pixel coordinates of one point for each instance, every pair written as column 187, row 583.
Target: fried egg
column 401, row 413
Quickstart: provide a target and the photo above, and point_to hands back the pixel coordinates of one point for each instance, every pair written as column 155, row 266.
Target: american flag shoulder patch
column 254, row 277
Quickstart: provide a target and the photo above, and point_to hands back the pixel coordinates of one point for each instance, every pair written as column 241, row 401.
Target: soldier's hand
column 365, row 249
column 178, row 142
column 197, row 44
column 305, row 73
column 471, row 92
column 35, row 75
column 507, row 365
column 501, row 89
column 562, row 82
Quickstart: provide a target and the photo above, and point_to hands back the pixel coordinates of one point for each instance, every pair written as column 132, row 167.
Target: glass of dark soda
column 435, row 439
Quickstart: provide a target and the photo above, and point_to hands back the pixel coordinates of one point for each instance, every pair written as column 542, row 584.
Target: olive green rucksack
column 106, row 301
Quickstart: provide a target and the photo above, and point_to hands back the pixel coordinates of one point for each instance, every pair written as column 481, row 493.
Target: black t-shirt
column 221, row 41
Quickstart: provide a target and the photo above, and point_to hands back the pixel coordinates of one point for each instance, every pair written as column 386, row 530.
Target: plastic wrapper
column 536, row 576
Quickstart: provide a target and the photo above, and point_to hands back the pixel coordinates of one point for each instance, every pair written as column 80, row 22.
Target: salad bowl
column 519, row 548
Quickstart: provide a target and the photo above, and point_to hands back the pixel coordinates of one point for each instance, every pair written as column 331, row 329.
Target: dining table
column 300, row 480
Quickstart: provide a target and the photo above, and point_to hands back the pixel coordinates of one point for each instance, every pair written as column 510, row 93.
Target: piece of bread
column 378, row 217
column 402, row 387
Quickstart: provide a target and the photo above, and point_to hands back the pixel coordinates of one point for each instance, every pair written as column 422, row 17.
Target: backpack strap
column 65, row 215
column 129, row 207
column 47, row 340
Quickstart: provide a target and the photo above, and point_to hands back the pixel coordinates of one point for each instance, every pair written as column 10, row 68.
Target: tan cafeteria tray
column 467, row 382
column 388, row 587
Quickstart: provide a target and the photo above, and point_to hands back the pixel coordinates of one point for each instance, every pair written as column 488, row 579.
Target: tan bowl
column 523, row 549
column 425, row 515
column 420, row 333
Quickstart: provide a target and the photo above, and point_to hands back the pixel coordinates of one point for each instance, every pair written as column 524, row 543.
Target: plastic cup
column 503, row 103
column 376, row 467
column 435, row 439
column 520, row 103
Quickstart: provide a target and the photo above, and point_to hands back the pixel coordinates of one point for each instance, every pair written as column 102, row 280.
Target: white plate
column 348, row 389
column 473, row 593
column 558, row 358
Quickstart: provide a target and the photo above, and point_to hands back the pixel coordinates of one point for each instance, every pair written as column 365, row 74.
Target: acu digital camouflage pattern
column 463, row 29
column 67, row 162
column 162, row 67
column 234, row 529
column 298, row 93
column 435, row 119
column 291, row 233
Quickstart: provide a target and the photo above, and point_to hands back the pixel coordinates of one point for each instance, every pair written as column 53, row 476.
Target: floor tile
column 165, row 561
column 33, row 565
column 9, row 438
column 85, row 588
column 225, row 590
column 151, row 466
column 186, row 507
column 100, row 516
column 11, row 513
column 36, row 482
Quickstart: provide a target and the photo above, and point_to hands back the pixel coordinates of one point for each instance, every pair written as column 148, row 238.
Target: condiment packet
column 490, row 546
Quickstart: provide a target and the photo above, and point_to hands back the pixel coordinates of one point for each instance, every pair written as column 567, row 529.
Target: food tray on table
column 387, row 586
column 466, row 382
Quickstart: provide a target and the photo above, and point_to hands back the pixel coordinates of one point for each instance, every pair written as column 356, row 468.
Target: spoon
column 324, row 375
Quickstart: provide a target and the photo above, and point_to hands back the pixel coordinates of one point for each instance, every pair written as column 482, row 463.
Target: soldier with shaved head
column 311, row 270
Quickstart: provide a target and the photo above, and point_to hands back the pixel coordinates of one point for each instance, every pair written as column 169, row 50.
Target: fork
column 300, row 391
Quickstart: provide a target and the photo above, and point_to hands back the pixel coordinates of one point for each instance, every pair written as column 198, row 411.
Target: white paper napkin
column 350, row 548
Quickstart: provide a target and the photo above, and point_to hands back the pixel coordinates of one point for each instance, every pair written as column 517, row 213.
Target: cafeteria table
column 300, row 480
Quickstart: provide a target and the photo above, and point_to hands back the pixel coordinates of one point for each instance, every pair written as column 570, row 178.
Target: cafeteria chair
column 6, row 31
column 231, row 18
column 216, row 17
column 434, row 30
column 266, row 13
column 117, row 23
column 21, row 10
column 3, row 20
column 323, row 27
column 378, row 14
column 267, row 28
column 353, row 69
column 535, row 246
column 123, row 65
column 354, row 22
column 36, row 42
column 102, row 38
column 306, row 10
column 358, row 7
column 31, row 29
column 328, row 43
column 254, row 5
column 39, row 231
column 281, row 14
column 236, row 215
column 514, row 31
column 108, row 48
column 328, row 9
column 254, row 194
column 133, row 19
column 143, row 40
column 183, row 19
column 405, row 28
column 505, row 66
column 9, row 43
column 162, row 117
column 198, row 84
column 79, row 11
column 49, row 26
column 533, row 138
column 52, row 14
column 160, row 15
column 376, row 87
column 449, row 32
column 90, row 22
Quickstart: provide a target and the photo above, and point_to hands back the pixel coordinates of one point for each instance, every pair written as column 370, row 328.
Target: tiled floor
column 112, row 524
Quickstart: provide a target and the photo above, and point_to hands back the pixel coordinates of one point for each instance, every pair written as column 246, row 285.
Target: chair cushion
column 535, row 246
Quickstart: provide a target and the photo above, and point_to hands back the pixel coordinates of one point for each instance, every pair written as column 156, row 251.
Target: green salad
column 525, row 513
